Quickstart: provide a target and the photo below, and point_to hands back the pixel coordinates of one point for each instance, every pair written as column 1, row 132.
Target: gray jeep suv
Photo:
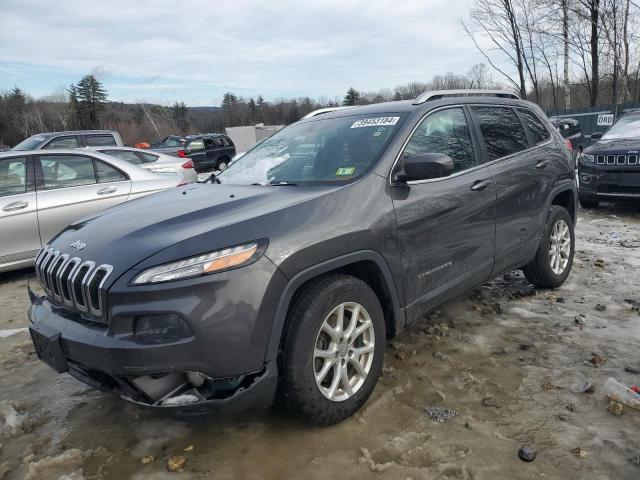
column 286, row 275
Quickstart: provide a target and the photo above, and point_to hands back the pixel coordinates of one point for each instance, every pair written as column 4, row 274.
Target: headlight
column 217, row 261
column 587, row 158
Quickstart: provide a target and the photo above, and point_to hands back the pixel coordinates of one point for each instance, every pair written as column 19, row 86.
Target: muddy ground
column 511, row 362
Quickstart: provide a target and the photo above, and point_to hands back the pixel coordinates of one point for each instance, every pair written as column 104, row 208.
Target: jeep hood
column 208, row 216
column 620, row 146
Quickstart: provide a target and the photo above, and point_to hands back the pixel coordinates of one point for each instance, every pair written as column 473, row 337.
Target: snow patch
column 12, row 331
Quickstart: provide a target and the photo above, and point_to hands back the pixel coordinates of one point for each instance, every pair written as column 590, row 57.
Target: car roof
column 73, row 132
column 116, row 162
column 408, row 106
column 133, row 149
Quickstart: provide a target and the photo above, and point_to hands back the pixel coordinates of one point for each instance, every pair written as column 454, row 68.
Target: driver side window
column 447, row 132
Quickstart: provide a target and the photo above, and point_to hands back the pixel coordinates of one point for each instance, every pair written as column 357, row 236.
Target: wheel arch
column 565, row 196
column 367, row 265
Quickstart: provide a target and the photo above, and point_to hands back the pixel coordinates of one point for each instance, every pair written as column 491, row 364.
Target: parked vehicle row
column 43, row 191
column 286, row 275
column 210, row 151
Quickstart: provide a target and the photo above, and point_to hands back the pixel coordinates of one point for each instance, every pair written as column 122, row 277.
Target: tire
column 223, row 164
column 540, row 271
column 299, row 392
column 588, row 203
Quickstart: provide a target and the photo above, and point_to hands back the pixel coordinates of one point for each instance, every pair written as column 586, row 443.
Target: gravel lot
column 506, row 365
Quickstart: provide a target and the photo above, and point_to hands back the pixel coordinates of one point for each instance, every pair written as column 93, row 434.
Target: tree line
column 561, row 53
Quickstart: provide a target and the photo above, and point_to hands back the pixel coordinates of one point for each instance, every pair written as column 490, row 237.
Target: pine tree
column 397, row 96
column 91, row 99
column 179, row 114
column 352, row 97
column 17, row 97
column 252, row 110
column 73, row 105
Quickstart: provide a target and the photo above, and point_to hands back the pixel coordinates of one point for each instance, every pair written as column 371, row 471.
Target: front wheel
column 333, row 350
column 552, row 263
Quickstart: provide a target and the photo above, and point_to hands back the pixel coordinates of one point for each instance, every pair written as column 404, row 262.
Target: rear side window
column 13, row 176
column 125, row 155
column 62, row 171
column 502, row 131
column 536, row 127
column 194, row 146
column 147, row 157
column 62, row 142
column 445, row 132
column 100, row 141
column 107, row 173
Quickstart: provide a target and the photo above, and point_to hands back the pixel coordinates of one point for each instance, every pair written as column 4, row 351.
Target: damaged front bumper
column 165, row 376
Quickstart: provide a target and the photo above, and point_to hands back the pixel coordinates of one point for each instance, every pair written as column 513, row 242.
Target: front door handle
column 480, row 185
column 542, row 163
column 15, row 206
column 107, row 190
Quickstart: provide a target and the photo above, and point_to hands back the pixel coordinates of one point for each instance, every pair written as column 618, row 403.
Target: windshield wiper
column 213, row 178
column 283, row 184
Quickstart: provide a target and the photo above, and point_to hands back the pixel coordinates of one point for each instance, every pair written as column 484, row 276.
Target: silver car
column 153, row 161
column 43, row 191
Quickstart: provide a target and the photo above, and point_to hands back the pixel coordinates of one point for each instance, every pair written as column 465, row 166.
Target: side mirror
column 424, row 166
column 596, row 136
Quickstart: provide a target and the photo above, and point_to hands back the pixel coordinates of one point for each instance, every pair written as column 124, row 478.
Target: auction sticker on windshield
column 375, row 122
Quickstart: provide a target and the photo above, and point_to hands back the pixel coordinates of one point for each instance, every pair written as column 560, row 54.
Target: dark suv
column 286, row 276
column 610, row 168
column 209, row 151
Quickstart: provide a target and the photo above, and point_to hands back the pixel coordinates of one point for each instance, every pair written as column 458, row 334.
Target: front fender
column 326, row 266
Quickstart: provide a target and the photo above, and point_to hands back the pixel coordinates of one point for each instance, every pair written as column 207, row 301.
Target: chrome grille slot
column 46, row 261
column 69, row 280
column 611, row 159
column 77, row 286
column 632, row 159
column 600, row 160
column 622, row 159
column 63, row 280
column 94, row 288
column 55, row 270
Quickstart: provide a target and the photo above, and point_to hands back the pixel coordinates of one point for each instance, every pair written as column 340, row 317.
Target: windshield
column 323, row 151
column 31, row 143
column 625, row 127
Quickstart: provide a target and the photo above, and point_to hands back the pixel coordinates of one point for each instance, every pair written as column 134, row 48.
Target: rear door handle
column 542, row 164
column 107, row 190
column 480, row 185
column 15, row 206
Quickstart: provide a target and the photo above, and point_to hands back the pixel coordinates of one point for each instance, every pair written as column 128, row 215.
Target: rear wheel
column 552, row 263
column 222, row 164
column 333, row 350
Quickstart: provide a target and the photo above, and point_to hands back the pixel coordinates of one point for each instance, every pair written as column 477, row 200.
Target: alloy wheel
column 344, row 351
column 559, row 247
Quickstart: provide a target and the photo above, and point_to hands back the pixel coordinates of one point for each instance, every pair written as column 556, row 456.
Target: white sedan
column 43, row 191
column 153, row 161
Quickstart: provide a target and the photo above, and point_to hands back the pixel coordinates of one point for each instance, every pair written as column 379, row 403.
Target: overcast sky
column 194, row 51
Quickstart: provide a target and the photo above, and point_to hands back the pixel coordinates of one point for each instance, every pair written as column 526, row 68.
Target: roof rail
column 322, row 111
column 438, row 94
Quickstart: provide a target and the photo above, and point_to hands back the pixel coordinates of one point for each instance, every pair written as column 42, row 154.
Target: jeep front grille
column 69, row 280
column 617, row 159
